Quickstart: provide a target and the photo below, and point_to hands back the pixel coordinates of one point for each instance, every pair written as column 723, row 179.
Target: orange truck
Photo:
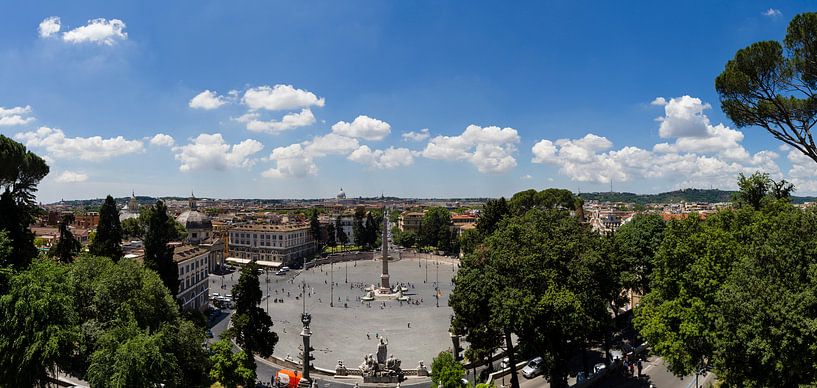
column 287, row 379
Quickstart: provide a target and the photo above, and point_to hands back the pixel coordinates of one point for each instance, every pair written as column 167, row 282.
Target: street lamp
column 332, row 282
column 346, row 263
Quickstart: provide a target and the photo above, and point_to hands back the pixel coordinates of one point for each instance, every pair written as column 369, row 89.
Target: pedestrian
column 409, row 325
column 639, row 365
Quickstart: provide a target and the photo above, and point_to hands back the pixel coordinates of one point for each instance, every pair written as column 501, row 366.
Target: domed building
column 131, row 210
column 199, row 227
column 341, row 195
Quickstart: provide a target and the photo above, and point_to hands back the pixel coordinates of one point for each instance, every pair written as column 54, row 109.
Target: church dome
column 341, row 194
column 194, row 219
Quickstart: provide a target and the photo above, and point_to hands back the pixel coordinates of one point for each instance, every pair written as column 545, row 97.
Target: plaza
column 349, row 328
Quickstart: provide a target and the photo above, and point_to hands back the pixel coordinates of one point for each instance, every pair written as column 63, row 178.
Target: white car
column 533, row 368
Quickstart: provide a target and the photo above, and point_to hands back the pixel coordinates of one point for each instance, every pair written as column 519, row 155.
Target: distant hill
column 685, row 195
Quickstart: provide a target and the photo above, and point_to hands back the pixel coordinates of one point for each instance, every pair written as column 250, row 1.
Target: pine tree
column 158, row 254
column 330, row 233
column 342, row 237
column 108, row 239
column 315, row 226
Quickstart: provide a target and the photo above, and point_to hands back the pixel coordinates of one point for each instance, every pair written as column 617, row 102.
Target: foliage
column 315, row 226
column 20, row 172
column 228, row 368
column 436, row 229
column 108, row 239
column 446, row 371
column 252, row 326
column 526, row 200
column 737, row 292
column 68, row 246
column 492, row 213
column 540, row 277
column 330, row 235
column 470, row 239
column 758, row 189
column 37, row 325
column 158, row 254
column 113, row 324
column 132, row 228
column 773, row 87
column 358, row 228
column 342, row 238
column 405, row 239
column 636, row 244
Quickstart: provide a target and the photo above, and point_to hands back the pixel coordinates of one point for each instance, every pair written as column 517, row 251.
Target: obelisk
column 384, row 277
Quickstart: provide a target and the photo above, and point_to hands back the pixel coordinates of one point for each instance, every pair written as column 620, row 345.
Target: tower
column 384, row 276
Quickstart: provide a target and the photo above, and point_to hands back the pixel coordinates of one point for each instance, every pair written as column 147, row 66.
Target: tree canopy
column 108, row 239
column 447, row 371
column 68, row 246
column 158, row 254
column 772, row 85
column 252, row 326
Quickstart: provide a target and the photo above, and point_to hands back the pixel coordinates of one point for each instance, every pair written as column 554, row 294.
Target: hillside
column 685, row 195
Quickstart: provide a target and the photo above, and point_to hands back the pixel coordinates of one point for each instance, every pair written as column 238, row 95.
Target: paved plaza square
column 415, row 330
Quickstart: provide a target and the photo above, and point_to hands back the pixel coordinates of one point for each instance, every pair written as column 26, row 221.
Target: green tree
column 158, row 254
column 358, row 228
column 252, row 326
column 228, row 368
column 447, row 371
column 20, row 172
column 132, row 228
column 343, row 239
column 771, row 87
column 330, row 239
column 37, row 325
column 757, row 189
column 371, row 231
column 492, row 213
column 68, row 246
column 108, row 239
column 435, row 229
column 405, row 239
column 540, row 277
column 315, row 227
column 636, row 244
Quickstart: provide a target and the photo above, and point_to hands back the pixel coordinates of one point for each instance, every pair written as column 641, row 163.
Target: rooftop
column 273, row 227
column 186, row 252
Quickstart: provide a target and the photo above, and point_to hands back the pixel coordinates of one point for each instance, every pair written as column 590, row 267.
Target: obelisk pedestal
column 385, row 287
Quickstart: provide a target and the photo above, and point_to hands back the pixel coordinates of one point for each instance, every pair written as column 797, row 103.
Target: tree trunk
column 511, row 359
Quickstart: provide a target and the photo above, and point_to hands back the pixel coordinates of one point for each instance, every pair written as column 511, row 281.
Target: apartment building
column 285, row 243
column 193, row 266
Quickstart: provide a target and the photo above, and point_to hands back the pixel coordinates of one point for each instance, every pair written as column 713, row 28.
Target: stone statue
column 340, row 369
column 381, row 351
column 421, row 369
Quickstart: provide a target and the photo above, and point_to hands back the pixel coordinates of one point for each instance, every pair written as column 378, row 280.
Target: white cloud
column 162, row 140
column 490, row 149
column 15, row 116
column 683, row 117
column 208, row 151
column 363, row 127
column 417, row 136
column 382, row 159
column 771, row 12
column 289, row 121
column 526, row 177
column 49, row 26
column 330, row 144
column 93, row 148
column 99, row 31
column 280, row 97
column 207, row 100
column 291, row 162
column 72, row 177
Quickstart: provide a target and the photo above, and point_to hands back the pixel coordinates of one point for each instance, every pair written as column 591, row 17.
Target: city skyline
column 408, row 100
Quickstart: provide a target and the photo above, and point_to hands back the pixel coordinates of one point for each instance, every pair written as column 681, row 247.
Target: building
column 199, row 227
column 410, row 221
column 347, row 223
column 286, row 243
column 194, row 290
column 131, row 210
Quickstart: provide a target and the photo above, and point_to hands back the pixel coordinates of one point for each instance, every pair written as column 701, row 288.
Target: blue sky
column 297, row 99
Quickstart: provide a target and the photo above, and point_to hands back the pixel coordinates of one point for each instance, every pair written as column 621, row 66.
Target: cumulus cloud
column 18, row 115
column 100, row 31
column 207, row 100
column 162, row 140
column 49, row 26
column 210, row 152
column 417, row 136
column 291, row 162
column 289, row 121
column 490, row 149
column 330, row 144
column 683, row 117
column 93, row 148
column 771, row 12
column 363, row 127
column 72, row 177
column 382, row 159
column 280, row 97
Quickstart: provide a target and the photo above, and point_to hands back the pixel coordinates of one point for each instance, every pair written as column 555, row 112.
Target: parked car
column 533, row 368
column 285, row 269
column 281, row 273
column 505, row 364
